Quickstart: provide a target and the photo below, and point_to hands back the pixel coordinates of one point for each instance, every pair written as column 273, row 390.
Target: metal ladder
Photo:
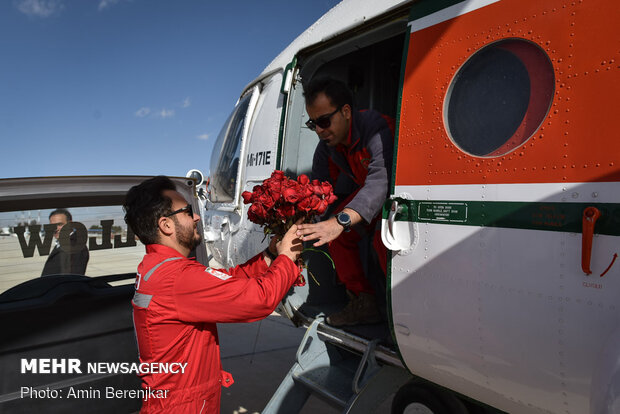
column 346, row 380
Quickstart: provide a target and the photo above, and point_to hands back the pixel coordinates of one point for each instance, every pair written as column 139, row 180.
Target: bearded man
column 178, row 301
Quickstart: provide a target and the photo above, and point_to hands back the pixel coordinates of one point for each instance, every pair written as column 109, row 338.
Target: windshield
column 226, row 154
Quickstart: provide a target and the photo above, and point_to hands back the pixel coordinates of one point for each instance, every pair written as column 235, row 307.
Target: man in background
column 70, row 259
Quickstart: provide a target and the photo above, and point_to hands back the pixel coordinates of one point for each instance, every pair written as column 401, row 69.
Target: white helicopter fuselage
column 503, row 220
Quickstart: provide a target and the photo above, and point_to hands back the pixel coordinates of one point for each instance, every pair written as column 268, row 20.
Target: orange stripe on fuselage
column 577, row 141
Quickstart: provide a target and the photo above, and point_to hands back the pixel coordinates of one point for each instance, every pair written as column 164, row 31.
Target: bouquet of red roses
column 280, row 201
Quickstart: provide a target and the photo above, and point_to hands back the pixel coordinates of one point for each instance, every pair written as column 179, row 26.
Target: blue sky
column 92, row 87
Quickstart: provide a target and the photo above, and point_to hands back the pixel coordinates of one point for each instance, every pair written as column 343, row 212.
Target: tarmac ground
column 259, row 355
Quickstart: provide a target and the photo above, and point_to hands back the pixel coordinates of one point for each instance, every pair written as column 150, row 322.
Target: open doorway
column 370, row 66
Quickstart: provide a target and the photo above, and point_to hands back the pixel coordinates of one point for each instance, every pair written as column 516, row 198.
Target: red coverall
column 177, row 303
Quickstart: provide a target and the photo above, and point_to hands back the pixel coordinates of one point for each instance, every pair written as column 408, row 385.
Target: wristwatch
column 344, row 220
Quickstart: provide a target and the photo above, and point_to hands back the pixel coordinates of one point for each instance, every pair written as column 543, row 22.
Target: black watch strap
column 344, row 220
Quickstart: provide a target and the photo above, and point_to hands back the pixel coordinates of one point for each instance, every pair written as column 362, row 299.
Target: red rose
column 258, row 213
column 326, row 187
column 274, row 188
column 309, row 204
column 320, row 209
column 291, row 191
column 247, row 197
column 303, row 179
column 287, row 210
column 317, row 188
column 266, row 201
column 279, row 200
column 278, row 175
column 306, row 190
column 304, row 205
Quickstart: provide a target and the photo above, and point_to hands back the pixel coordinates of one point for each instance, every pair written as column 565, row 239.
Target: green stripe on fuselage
column 548, row 216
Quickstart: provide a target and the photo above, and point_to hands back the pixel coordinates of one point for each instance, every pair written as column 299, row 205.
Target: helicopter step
column 339, row 375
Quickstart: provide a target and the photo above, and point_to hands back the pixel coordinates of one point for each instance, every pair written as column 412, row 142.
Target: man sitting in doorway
column 355, row 155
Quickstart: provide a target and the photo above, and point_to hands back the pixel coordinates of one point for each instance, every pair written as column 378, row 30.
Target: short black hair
column 335, row 90
column 145, row 204
column 61, row 211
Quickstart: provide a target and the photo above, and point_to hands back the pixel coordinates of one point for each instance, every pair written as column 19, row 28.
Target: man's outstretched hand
column 326, row 231
column 323, row 232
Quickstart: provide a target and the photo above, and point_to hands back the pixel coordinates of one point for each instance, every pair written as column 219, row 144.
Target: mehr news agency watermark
column 74, row 366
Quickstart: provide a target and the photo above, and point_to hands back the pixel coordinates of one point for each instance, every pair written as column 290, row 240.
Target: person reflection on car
column 61, row 261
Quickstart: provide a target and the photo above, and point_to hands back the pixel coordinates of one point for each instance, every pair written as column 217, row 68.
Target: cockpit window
column 226, row 154
column 67, row 242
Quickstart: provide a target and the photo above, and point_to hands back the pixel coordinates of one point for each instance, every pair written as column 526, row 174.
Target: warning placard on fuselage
column 442, row 211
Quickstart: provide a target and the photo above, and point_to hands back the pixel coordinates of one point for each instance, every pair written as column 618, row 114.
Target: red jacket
column 177, row 303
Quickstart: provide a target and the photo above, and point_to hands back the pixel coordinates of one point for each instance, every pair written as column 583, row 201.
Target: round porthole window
column 499, row 97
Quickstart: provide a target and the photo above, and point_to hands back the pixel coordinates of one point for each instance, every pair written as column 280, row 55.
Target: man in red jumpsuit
column 355, row 154
column 178, row 301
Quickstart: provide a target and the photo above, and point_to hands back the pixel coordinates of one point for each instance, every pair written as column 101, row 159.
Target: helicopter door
column 504, row 217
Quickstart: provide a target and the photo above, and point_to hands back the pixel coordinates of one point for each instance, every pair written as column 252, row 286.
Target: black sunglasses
column 188, row 208
column 324, row 121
